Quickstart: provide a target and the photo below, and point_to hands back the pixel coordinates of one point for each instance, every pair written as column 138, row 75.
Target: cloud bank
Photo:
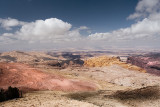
column 54, row 33
column 49, row 30
column 48, row 33
column 146, row 27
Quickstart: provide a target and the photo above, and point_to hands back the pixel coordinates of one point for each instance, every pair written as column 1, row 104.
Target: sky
column 79, row 24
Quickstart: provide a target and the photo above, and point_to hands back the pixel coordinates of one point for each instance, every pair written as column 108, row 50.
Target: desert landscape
column 81, row 79
column 79, row 53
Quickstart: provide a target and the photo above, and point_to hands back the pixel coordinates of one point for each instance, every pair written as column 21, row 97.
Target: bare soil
column 75, row 86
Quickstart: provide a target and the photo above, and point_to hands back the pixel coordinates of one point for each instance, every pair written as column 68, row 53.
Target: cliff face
column 150, row 62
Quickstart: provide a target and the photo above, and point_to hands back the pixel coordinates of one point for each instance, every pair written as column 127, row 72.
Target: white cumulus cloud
column 54, row 32
column 147, row 28
column 48, row 31
column 51, row 29
column 9, row 23
column 145, row 8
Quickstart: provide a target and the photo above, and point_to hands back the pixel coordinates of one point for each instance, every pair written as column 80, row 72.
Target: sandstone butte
column 103, row 61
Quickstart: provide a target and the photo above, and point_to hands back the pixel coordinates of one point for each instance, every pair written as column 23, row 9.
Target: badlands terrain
column 82, row 79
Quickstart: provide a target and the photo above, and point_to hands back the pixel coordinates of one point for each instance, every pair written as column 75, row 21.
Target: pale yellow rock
column 102, row 61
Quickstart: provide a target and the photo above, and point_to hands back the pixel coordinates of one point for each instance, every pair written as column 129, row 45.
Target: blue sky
column 99, row 22
column 99, row 15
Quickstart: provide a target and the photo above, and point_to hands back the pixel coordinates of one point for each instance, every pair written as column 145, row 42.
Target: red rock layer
column 27, row 78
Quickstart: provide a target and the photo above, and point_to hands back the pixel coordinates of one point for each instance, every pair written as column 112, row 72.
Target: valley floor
column 108, row 80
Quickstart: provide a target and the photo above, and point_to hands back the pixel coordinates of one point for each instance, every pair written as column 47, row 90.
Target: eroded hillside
column 76, row 79
column 150, row 62
column 28, row 78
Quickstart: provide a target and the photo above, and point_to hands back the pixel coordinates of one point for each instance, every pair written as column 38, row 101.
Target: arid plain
column 81, row 79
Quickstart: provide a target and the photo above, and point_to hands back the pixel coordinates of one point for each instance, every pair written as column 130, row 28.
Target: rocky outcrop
column 145, row 92
column 103, row 61
column 150, row 62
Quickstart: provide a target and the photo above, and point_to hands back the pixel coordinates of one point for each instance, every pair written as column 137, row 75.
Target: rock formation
column 107, row 61
column 150, row 62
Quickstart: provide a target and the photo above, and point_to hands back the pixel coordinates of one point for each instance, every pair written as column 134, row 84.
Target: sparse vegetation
column 9, row 94
column 111, row 83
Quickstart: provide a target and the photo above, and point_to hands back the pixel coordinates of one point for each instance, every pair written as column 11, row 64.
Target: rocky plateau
column 81, row 79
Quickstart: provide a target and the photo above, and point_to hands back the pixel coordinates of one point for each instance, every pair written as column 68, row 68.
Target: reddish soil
column 27, row 78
